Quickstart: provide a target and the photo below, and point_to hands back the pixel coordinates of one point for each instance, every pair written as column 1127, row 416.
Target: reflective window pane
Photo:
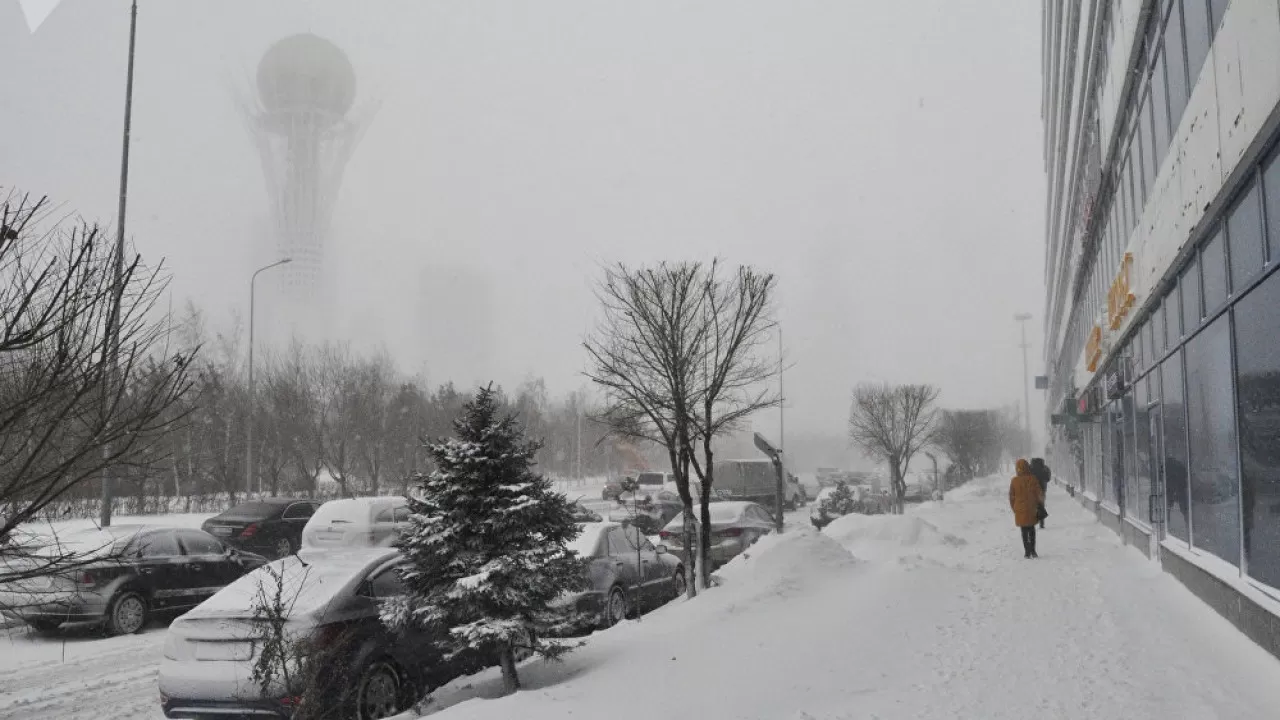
column 1157, row 333
column 1244, row 232
column 1159, row 113
column 1189, row 286
column 1173, row 412
column 1215, row 484
column 1258, row 386
column 1213, row 268
column 1217, row 8
column 1195, row 19
column 1139, row 502
column 1271, row 190
column 1175, row 64
column 1172, row 317
column 1149, row 154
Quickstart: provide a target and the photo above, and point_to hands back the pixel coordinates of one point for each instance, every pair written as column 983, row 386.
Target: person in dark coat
column 1042, row 473
column 1025, row 497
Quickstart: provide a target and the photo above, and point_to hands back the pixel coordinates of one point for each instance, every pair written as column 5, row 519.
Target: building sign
column 1120, row 299
column 1093, row 349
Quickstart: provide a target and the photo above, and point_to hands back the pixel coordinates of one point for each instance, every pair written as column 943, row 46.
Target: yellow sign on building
column 1093, row 350
column 1120, row 299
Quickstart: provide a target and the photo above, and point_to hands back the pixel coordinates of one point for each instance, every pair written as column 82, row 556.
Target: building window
column 1149, row 150
column 1157, row 333
column 1217, row 8
column 1172, row 317
column 1257, row 319
column 1213, row 269
column 1135, row 167
column 1173, row 415
column 1189, row 286
column 1138, row 500
column 1195, row 18
column 1175, row 61
column 1271, row 196
column 1215, row 483
column 1244, row 235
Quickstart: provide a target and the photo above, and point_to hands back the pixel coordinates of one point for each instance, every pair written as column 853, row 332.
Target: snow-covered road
column 941, row 617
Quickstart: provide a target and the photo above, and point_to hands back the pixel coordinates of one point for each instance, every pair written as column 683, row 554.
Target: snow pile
column 991, row 486
column 907, row 539
column 782, row 566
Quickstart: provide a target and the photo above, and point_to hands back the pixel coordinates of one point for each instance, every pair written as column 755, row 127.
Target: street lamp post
column 248, row 447
column 1022, row 319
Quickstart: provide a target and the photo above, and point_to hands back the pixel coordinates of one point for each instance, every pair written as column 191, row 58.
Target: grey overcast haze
column 882, row 158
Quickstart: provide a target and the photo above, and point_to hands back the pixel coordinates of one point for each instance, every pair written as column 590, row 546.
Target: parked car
column 650, row 512
column 365, row 671
column 612, row 490
column 651, row 480
column 735, row 526
column 627, row 573
column 271, row 526
column 123, row 575
column 583, row 514
column 357, row 522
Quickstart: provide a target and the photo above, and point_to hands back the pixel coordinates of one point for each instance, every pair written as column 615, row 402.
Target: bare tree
column 67, row 412
column 733, row 383
column 893, row 423
column 972, row 440
column 646, row 354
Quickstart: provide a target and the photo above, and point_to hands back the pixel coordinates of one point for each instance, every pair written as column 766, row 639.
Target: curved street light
column 248, row 447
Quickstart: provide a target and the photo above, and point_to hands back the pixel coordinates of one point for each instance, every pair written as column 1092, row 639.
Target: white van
column 357, row 522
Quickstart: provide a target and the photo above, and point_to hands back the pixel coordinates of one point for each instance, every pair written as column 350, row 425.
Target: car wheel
column 378, row 692
column 44, row 627
column 127, row 614
column 678, row 584
column 615, row 608
column 283, row 548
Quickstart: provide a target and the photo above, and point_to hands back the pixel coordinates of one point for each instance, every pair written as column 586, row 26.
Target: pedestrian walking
column 1043, row 474
column 1025, row 497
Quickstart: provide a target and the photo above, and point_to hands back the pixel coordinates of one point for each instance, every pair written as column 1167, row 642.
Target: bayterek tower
column 303, row 126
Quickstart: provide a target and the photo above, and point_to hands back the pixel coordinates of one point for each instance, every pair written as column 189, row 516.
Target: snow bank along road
column 939, row 616
column 931, row 615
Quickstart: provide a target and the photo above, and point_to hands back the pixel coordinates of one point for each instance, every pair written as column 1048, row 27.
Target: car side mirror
column 661, row 550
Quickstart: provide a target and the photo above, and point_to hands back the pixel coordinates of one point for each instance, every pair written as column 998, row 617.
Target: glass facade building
column 1162, row 306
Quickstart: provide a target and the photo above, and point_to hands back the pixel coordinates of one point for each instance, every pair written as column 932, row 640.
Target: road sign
column 763, row 446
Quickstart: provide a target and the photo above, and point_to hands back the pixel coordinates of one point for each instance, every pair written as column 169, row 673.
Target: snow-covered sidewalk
column 939, row 616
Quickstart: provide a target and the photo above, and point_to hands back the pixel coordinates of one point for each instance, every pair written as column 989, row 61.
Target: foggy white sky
column 883, row 158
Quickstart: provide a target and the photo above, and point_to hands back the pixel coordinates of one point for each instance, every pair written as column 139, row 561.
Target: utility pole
column 1022, row 319
column 113, row 329
column 248, row 445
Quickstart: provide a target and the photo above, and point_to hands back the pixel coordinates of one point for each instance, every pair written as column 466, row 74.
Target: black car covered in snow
column 270, row 526
column 124, row 574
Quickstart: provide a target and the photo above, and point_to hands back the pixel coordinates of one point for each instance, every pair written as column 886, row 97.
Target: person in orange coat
column 1025, row 497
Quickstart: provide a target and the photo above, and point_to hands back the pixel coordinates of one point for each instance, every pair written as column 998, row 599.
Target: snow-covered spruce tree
column 841, row 502
column 486, row 545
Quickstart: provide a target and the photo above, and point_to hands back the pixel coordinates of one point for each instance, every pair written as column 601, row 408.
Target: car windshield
column 588, row 539
column 650, row 478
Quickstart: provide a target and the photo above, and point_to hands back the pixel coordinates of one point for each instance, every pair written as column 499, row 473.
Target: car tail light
column 291, row 700
column 250, row 530
column 666, row 535
column 730, row 532
column 326, row 635
column 87, row 579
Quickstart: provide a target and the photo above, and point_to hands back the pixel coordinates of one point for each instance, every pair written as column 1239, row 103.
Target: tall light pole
column 113, row 329
column 248, row 446
column 1022, row 319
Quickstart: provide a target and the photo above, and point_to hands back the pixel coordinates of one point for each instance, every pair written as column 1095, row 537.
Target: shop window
column 1172, row 317
column 1244, row 235
column 1213, row 270
column 1215, row 483
column 1175, row 63
column 1173, row 418
column 1271, row 195
column 1158, row 342
column 1258, row 400
column 1195, row 19
column 1189, row 286
column 1138, row 503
